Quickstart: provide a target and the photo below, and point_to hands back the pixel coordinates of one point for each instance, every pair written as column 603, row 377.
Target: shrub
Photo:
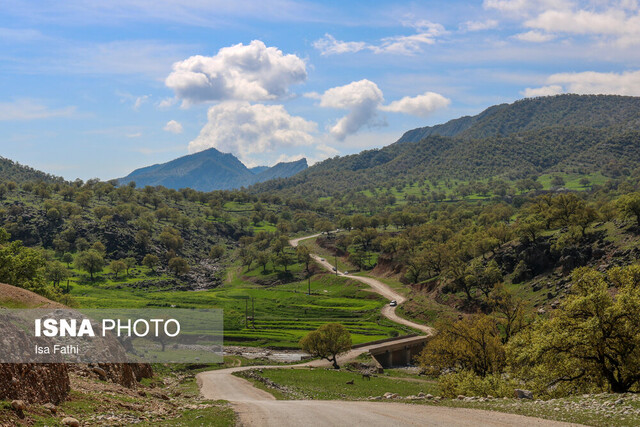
column 467, row 383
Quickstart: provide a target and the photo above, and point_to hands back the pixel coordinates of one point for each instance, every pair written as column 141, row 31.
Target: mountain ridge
column 569, row 108
column 209, row 170
column 528, row 138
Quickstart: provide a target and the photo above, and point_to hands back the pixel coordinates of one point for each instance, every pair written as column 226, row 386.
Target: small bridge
column 396, row 351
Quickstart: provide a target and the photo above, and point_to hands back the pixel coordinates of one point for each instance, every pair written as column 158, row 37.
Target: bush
column 467, row 383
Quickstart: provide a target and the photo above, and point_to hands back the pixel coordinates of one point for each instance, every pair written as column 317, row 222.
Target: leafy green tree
column 359, row 258
column 84, row 197
column 90, row 261
column 303, row 255
column 473, row 344
column 417, row 265
column 117, row 267
column 324, row 226
column 21, row 266
column 151, row 262
column 67, row 258
column 482, row 277
column 57, row 272
column 629, row 205
column 171, row 239
column 129, row 262
column 263, row 258
column 591, row 343
column 529, row 227
column 247, row 256
column 565, row 207
column 99, row 247
column 327, row 342
column 216, row 252
column 285, row 259
column 179, row 266
column 143, row 239
column 243, row 222
column 54, row 215
column 509, row 310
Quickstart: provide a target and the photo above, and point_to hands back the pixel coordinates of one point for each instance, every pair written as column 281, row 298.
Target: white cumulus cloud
column 590, row 82
column 542, row 91
column 534, row 37
column 426, row 33
column 525, row 7
column 616, row 20
column 173, row 127
column 361, row 98
column 479, row 25
column 252, row 132
column 421, row 105
column 328, row 45
column 252, row 72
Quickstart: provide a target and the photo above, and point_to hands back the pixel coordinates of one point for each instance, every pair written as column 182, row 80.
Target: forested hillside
column 13, row 172
column 565, row 134
column 592, row 111
column 181, row 239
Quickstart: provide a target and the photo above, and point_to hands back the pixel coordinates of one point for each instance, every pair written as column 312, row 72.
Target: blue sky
column 97, row 89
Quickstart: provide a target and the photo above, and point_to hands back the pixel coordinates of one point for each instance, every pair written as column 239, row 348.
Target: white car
column 393, row 303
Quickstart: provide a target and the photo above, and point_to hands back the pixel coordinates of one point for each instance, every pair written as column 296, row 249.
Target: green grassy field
column 331, row 384
column 279, row 315
column 447, row 187
column 595, row 410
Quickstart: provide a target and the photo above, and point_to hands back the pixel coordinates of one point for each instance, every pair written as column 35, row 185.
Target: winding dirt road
column 258, row 408
column 376, row 286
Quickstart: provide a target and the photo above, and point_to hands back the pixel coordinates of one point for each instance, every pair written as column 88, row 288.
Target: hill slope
column 13, row 171
column 14, row 297
column 564, row 133
column 209, row 170
column 594, row 111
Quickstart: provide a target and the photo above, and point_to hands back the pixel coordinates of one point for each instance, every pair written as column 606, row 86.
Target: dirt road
column 376, row 286
column 258, row 408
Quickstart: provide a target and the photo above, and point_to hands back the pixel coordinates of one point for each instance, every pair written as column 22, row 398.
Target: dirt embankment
column 49, row 382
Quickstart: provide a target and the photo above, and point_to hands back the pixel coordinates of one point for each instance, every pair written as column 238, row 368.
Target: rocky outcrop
column 34, row 383
column 530, row 259
column 49, row 382
column 126, row 374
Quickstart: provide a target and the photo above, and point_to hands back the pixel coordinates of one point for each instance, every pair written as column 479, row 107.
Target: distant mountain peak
column 209, row 170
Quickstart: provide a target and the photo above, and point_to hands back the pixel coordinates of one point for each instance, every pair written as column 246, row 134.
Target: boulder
column 101, row 373
column 71, row 422
column 523, row 394
column 51, row 407
column 18, row 405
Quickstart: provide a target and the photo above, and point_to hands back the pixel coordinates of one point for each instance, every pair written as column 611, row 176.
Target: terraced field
column 278, row 316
